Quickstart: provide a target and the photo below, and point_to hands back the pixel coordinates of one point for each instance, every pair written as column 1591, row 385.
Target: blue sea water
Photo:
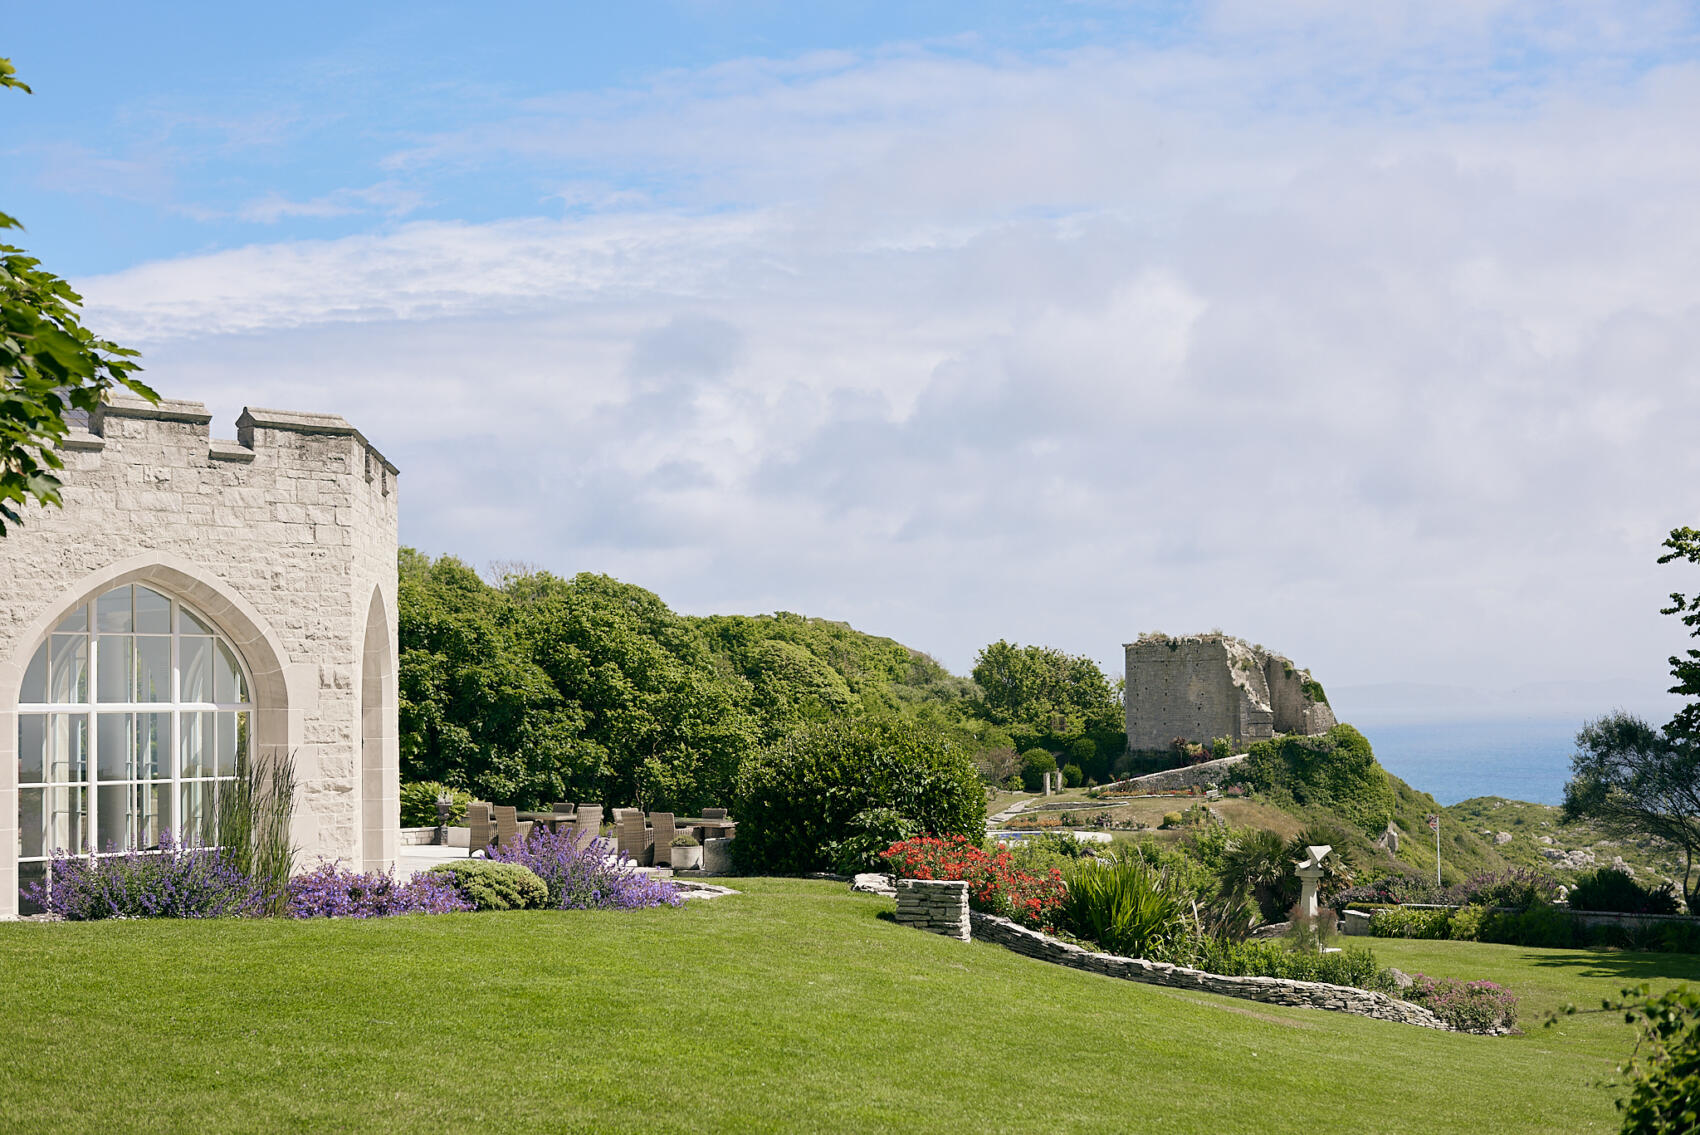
column 1521, row 759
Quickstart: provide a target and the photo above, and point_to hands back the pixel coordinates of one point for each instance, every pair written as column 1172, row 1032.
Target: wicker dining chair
column 662, row 825
column 483, row 832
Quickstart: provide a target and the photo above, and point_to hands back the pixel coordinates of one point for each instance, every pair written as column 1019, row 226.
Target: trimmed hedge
column 489, row 885
column 798, row 799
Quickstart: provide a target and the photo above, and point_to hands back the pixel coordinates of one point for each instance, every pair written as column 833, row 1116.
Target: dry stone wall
column 286, row 539
column 1271, row 990
column 939, row 906
column 1202, row 687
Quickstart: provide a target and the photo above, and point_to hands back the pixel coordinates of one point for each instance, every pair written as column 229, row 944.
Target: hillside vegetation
column 538, row 688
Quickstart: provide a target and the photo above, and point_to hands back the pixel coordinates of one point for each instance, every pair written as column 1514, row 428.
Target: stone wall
column 1271, row 990
column 1201, row 687
column 936, row 905
column 1201, row 775
column 286, row 540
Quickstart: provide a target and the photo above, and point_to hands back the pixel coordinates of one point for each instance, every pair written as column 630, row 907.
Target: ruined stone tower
column 1202, row 687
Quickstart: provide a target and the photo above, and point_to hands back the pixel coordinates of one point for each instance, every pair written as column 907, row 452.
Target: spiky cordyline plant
column 254, row 813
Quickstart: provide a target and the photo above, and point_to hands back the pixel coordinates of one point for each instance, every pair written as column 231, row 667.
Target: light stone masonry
column 939, row 906
column 285, row 540
column 1204, row 687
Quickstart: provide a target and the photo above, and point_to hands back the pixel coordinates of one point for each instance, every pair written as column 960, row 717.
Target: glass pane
column 68, row 670
column 195, row 658
column 66, row 827
column 67, row 747
column 115, row 734
column 153, row 668
column 32, row 747
column 232, row 741
column 153, row 746
column 32, row 821
column 151, row 814
column 29, row 875
column 228, row 684
column 153, row 612
column 195, row 748
column 113, row 815
column 112, row 610
column 114, row 658
column 34, row 689
column 196, row 820
column 188, row 623
column 77, row 620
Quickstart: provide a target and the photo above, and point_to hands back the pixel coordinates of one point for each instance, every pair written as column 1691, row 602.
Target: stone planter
column 717, row 856
column 687, row 858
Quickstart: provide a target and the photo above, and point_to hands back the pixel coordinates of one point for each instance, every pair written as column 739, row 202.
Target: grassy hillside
column 792, row 1007
column 1535, row 828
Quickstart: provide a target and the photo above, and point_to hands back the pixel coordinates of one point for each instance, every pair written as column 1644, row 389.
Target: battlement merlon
column 251, row 419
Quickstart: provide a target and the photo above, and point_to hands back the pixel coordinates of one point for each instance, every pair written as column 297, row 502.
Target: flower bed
column 995, row 886
column 1470, row 1006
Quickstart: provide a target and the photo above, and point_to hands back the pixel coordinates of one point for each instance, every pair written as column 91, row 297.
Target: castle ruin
column 1202, row 687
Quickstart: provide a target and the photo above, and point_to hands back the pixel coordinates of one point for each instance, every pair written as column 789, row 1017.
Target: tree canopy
column 1043, row 687
column 50, row 364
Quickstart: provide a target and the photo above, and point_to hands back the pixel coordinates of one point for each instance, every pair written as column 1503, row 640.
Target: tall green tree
column 50, row 364
column 1684, row 544
column 1037, row 685
column 1635, row 780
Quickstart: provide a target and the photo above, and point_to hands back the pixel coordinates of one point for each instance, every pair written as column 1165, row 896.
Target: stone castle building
column 195, row 600
column 1202, row 687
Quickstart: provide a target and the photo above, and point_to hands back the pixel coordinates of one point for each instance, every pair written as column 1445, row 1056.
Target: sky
column 1369, row 332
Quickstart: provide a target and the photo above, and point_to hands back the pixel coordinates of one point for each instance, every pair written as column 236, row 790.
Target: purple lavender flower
column 588, row 877
column 329, row 891
column 173, row 882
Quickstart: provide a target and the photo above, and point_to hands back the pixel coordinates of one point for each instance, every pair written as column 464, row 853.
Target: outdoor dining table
column 550, row 820
column 708, row 829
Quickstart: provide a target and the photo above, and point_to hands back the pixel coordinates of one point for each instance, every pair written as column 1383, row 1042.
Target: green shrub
column 685, row 841
column 489, row 885
column 1403, row 922
column 797, row 797
column 867, row 835
column 1609, row 889
column 1124, row 906
column 1665, row 1071
column 1469, row 923
column 1072, row 776
column 1336, row 771
column 419, row 804
column 1172, row 820
column 1035, row 763
column 1354, row 966
column 1541, row 925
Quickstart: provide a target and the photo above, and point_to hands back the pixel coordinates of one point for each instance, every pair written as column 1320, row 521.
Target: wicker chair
column 483, row 832
column 587, row 824
column 510, row 832
column 631, row 833
column 714, row 813
column 662, row 825
column 562, row 809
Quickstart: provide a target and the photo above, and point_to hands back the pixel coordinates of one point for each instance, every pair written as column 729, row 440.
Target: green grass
column 791, row 1007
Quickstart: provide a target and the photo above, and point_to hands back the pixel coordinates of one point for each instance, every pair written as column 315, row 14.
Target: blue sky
column 1370, row 332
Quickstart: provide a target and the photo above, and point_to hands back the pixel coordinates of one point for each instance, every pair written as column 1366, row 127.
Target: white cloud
column 1058, row 349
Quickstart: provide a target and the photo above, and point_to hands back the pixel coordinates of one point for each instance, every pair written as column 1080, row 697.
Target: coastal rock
column 1500, row 839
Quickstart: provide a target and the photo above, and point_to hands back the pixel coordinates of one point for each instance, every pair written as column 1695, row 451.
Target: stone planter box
column 687, row 858
column 717, row 856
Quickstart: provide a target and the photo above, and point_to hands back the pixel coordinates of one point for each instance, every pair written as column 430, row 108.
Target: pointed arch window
column 130, row 715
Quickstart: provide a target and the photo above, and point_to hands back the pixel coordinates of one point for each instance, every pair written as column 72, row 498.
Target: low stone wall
column 1169, row 780
column 936, row 905
column 1272, row 990
column 426, row 837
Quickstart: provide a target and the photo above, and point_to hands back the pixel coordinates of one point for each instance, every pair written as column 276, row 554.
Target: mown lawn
column 792, row 1007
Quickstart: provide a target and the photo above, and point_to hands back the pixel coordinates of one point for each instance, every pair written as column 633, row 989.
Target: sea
column 1517, row 758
